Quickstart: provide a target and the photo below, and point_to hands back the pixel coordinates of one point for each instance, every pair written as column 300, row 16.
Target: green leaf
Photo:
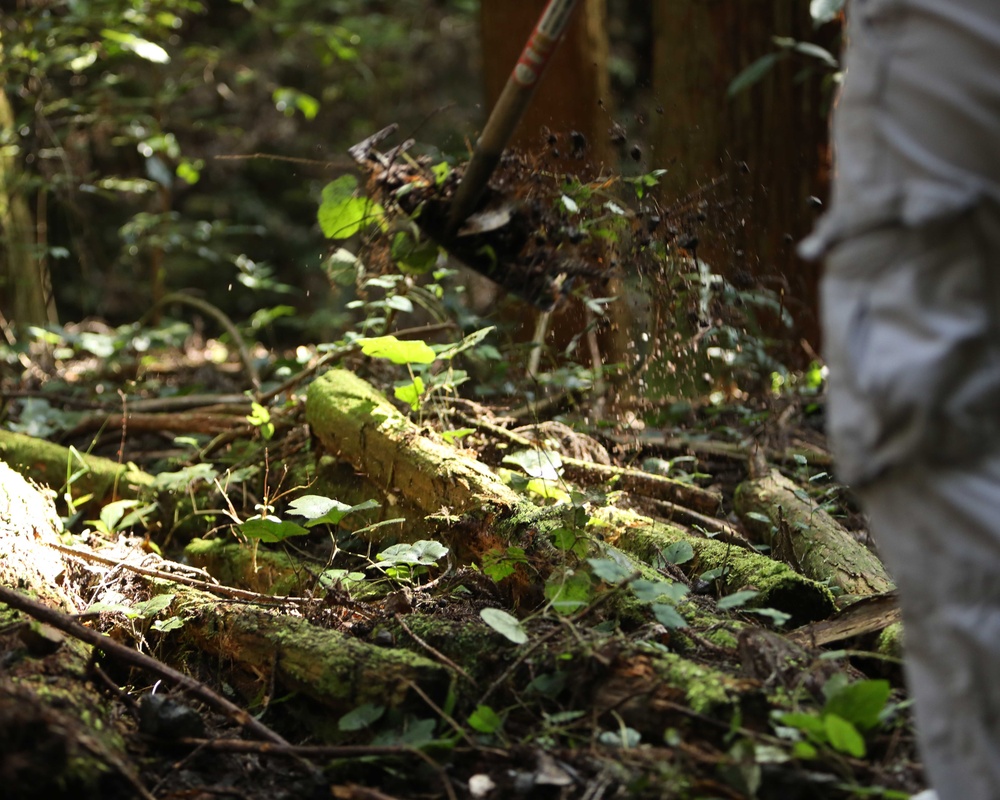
column 414, row 256
column 485, row 720
column 112, row 513
column 737, row 599
column 572, row 541
column 753, row 73
column 341, row 214
column 778, row 618
column 167, row 625
column 679, row 552
column 143, row 48
column 472, row 340
column 505, row 624
column 458, row 433
column 320, row 510
column 538, row 463
column 568, row 592
column 668, row 616
column 498, row 564
column 361, row 717
column 810, row 724
column 651, row 591
column 424, row 552
column 397, row 350
column 624, row 738
column 411, row 393
column 843, row 736
column 270, row 529
column 150, row 608
column 859, row 703
column 608, row 570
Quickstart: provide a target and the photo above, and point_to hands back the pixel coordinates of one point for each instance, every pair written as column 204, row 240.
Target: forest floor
column 322, row 598
column 260, row 577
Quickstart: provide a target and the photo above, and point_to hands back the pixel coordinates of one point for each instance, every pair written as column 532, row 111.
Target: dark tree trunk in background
column 571, row 92
column 778, row 129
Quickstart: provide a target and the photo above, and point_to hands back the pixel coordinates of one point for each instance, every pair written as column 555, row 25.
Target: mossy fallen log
column 778, row 586
column 51, row 464
column 330, row 667
column 780, row 514
column 355, row 421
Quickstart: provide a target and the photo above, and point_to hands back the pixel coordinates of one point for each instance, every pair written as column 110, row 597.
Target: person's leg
column 939, row 532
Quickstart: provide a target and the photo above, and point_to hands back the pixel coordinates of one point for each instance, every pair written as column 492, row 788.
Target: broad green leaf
column 168, row 624
column 361, row 717
column 568, row 592
column 505, row 624
column 737, row 599
column 810, row 724
column 341, row 214
column 485, row 720
column 414, row 256
column 112, row 513
column 143, row 48
column 498, row 564
column 538, row 463
column 411, row 393
column 424, row 552
column 271, row 529
column 458, row 433
column 571, row 540
column 608, row 570
column 548, row 490
column 651, row 591
column 624, row 738
column 778, row 618
column 679, row 552
column 668, row 616
column 320, row 510
column 843, row 736
column 148, row 609
column 397, row 350
column 859, row 703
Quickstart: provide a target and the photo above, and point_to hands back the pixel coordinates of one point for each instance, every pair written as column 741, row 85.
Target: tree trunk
column 25, row 286
column 775, row 132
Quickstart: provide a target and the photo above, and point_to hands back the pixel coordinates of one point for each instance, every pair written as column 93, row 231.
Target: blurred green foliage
column 184, row 144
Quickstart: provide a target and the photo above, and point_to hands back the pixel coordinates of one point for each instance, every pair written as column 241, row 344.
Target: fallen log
column 781, row 515
column 53, row 465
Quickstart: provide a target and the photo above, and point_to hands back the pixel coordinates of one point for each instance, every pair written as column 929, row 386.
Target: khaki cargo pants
column 911, row 315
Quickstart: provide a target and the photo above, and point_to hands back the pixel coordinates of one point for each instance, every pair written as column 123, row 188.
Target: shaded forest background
column 176, row 144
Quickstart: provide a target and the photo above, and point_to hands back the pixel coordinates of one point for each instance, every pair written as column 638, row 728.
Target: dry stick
column 120, row 652
column 205, row 586
column 436, row 653
column 305, row 751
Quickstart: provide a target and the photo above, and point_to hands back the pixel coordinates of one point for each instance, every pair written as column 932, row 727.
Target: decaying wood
column 356, row 422
column 47, row 747
column 807, row 537
column 868, row 615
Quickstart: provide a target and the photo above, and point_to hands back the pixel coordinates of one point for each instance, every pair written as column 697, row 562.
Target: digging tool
column 509, row 109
